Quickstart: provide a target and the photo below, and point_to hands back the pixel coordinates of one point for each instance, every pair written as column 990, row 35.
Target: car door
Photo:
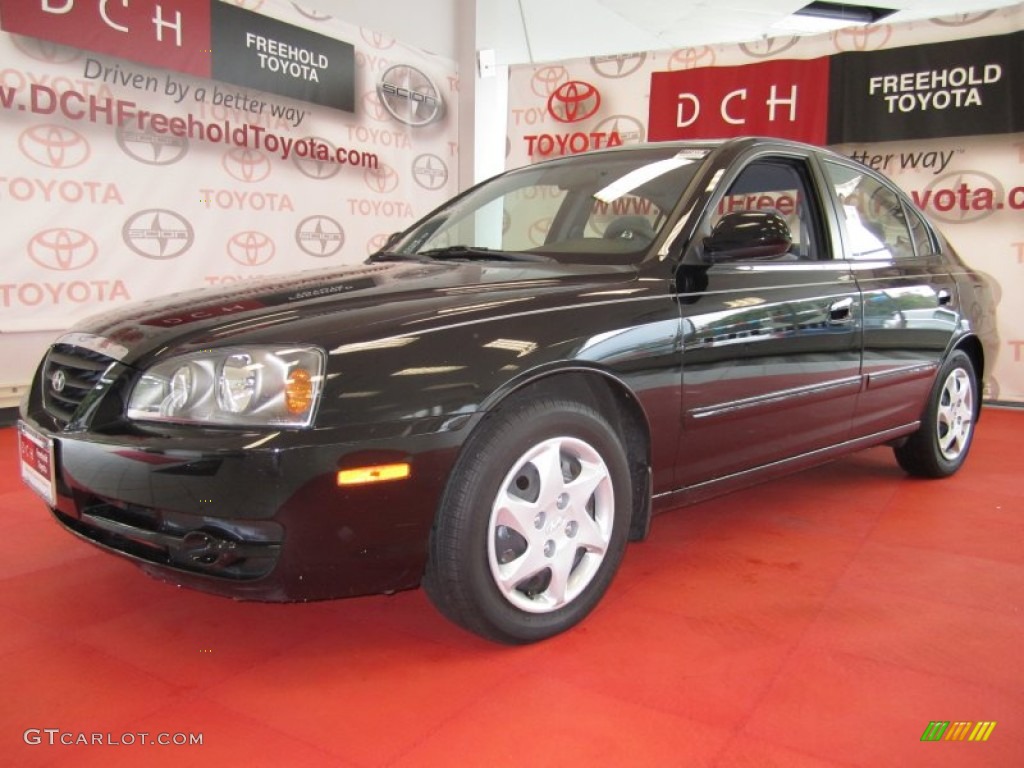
column 911, row 306
column 771, row 347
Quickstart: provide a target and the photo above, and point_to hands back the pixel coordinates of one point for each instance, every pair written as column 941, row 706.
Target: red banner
column 784, row 98
column 170, row 34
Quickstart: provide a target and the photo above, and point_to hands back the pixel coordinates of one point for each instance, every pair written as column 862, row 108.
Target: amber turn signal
column 298, row 391
column 376, row 474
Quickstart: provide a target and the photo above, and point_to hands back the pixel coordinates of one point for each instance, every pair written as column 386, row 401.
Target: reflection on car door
column 910, row 298
column 771, row 348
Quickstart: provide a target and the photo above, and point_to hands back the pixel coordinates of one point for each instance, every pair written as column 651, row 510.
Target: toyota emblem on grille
column 58, row 381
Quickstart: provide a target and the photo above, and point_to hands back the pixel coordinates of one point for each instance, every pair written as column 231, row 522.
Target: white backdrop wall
column 96, row 215
column 985, row 226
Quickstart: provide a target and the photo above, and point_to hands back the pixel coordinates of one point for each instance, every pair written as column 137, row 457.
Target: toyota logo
column 251, row 248
column 373, row 108
column 870, row 38
column 381, row 180
column 769, row 46
column 574, row 101
column 318, row 169
column 246, row 165
column 410, row 96
column 429, row 171
column 149, row 147
column 62, row 249
column 546, row 80
column 158, row 234
column 691, row 58
column 58, row 381
column 54, row 146
column 376, row 40
column 320, row 236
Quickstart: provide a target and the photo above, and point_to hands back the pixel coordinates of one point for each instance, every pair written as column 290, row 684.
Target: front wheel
column 533, row 523
column 940, row 445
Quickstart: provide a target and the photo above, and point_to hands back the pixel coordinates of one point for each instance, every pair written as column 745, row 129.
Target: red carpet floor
column 821, row 620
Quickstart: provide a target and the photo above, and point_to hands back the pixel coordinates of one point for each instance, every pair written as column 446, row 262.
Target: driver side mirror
column 742, row 235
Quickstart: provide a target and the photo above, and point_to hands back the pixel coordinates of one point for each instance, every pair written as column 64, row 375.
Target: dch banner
column 121, row 181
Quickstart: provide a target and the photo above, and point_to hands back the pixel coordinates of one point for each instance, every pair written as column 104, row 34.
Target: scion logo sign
column 158, row 234
column 381, row 180
column 615, row 67
column 410, row 96
column 320, row 236
column 45, row 51
column 546, row 80
column 251, row 248
column 62, row 249
column 430, row 171
column 151, row 148
column 318, row 169
column 770, row 46
column 574, row 101
column 246, row 165
column 54, row 146
column 965, row 196
column 627, row 128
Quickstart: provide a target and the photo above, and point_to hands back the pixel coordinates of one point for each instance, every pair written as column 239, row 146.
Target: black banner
column 960, row 88
column 255, row 51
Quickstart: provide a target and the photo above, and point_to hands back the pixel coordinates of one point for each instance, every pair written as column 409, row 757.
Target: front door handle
column 839, row 312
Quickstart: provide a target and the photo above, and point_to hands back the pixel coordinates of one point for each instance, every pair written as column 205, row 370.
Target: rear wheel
column 940, row 445
column 533, row 523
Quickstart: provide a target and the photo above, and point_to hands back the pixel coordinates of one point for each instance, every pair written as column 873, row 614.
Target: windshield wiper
column 479, row 253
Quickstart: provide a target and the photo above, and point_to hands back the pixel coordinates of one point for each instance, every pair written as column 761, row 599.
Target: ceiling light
column 824, row 16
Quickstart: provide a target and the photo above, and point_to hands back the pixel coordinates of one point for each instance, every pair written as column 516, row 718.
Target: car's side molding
column 728, row 483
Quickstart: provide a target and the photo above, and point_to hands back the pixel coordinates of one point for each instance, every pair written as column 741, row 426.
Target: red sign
column 785, row 99
column 170, row 34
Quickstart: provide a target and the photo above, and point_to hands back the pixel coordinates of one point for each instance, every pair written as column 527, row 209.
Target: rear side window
column 878, row 225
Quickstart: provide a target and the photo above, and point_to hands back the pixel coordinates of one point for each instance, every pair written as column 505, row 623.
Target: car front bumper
column 250, row 517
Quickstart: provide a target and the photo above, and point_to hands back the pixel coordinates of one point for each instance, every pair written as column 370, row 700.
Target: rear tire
column 533, row 522
column 940, row 445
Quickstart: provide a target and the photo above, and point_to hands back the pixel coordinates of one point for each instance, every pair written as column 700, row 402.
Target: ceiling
column 525, row 31
column 551, row 30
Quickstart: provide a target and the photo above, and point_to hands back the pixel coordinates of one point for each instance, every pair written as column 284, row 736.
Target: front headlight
column 233, row 386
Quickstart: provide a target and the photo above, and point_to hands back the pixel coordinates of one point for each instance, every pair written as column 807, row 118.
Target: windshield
column 604, row 208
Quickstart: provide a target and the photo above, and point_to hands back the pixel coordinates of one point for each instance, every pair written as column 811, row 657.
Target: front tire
column 533, row 523
column 940, row 445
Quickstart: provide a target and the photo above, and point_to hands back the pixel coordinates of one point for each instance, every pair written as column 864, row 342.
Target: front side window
column 779, row 186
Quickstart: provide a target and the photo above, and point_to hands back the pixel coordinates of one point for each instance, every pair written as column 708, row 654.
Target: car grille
column 69, row 374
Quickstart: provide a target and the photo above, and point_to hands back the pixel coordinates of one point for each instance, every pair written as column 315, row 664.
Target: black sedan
column 497, row 402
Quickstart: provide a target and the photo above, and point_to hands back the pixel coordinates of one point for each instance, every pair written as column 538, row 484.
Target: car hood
column 342, row 304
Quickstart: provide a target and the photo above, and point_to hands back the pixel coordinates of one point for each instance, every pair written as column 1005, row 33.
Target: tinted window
column 778, row 186
column 876, row 221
